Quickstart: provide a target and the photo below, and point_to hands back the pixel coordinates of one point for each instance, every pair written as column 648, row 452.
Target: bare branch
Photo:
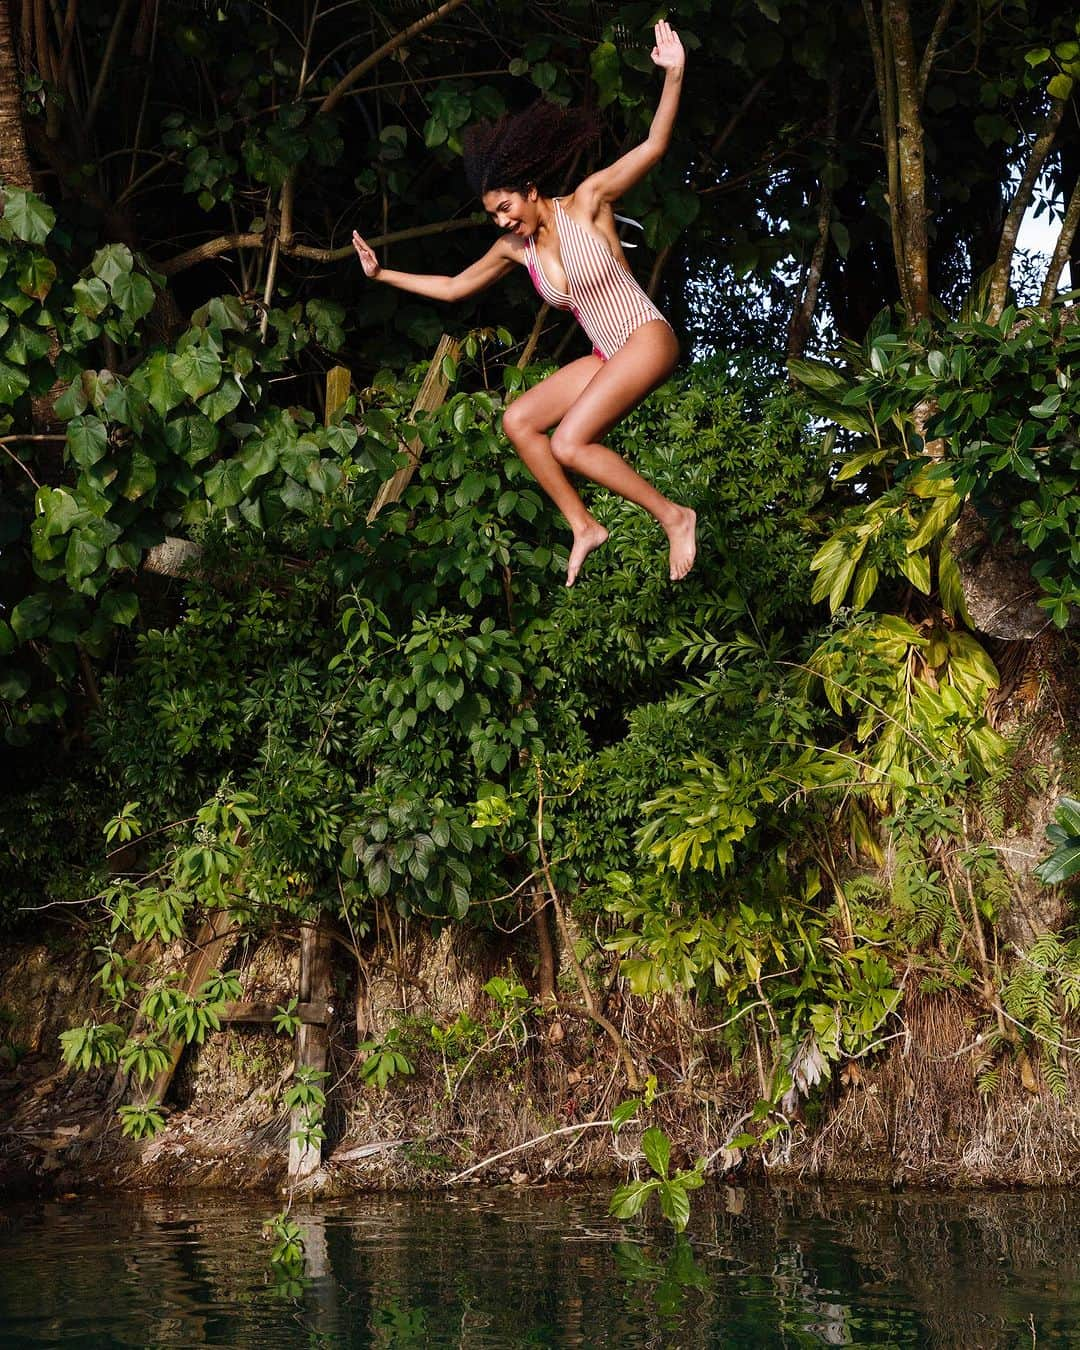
column 1002, row 269
column 343, row 85
column 803, row 314
column 225, row 243
column 926, row 65
column 1062, row 249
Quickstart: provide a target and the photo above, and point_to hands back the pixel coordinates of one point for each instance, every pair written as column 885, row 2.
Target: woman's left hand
column 668, row 53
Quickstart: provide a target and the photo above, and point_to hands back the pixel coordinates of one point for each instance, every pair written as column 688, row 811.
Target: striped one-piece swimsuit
column 603, row 295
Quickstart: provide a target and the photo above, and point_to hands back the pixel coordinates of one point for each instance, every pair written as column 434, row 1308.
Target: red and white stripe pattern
column 604, row 297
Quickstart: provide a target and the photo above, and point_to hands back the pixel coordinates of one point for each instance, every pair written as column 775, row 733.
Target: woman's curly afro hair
column 530, row 147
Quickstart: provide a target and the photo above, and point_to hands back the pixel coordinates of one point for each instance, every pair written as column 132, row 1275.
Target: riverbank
column 532, row 1087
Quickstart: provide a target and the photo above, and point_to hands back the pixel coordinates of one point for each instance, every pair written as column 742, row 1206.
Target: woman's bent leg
column 619, row 385
column 527, row 422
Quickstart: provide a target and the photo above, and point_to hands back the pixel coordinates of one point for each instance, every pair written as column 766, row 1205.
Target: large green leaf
column 57, row 510
column 198, row 371
column 84, row 556
column 13, row 382
column 163, row 389
column 120, row 607
column 36, row 275
column 91, row 295
column 111, row 262
column 87, row 440
column 226, row 483
column 1067, row 815
column 134, row 294
column 220, row 401
column 657, row 1149
column 30, row 218
column 30, row 617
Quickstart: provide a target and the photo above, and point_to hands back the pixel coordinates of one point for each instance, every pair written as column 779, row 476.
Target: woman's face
column 513, row 211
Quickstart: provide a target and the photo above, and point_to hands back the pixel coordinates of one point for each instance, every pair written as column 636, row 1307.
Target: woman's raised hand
column 668, row 53
column 366, row 254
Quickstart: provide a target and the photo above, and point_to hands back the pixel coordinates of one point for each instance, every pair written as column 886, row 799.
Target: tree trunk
column 910, row 156
column 14, row 160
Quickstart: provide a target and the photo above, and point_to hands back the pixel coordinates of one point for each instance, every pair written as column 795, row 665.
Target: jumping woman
column 575, row 261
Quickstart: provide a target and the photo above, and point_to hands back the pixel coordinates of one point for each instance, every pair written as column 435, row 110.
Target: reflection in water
column 543, row 1268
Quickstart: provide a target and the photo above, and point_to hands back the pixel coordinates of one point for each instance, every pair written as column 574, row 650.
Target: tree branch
column 225, row 243
column 803, row 314
column 926, row 65
column 343, row 85
column 1062, row 249
column 1002, row 269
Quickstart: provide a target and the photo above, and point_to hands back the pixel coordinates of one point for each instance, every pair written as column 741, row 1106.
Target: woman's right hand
column 366, row 254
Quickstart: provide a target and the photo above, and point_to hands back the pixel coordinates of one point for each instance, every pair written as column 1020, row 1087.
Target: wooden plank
column 431, row 396
column 338, row 385
column 312, row 1039
column 264, row 1013
column 216, row 937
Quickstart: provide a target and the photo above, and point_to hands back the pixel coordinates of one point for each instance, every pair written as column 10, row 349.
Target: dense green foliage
column 784, row 810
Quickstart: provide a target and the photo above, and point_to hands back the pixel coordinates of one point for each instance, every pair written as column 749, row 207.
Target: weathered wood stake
column 312, row 1040
column 431, row 396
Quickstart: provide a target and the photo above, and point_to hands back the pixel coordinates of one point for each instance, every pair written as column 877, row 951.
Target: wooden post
column 338, row 384
column 312, row 1040
column 431, row 396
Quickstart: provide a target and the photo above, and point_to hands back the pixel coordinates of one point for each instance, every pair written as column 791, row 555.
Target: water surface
column 497, row 1268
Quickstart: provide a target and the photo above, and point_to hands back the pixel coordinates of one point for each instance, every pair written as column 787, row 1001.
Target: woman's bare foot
column 682, row 543
column 591, row 536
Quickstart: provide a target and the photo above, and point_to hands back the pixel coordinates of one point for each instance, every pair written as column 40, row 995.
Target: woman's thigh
column 545, row 403
column 621, row 383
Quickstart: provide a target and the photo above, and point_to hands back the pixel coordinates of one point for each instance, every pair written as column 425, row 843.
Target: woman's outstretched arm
column 607, row 185
column 496, row 262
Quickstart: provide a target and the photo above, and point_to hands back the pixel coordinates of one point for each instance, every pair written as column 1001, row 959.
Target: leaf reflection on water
column 800, row 1266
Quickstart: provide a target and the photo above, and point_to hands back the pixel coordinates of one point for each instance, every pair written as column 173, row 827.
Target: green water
column 544, row 1268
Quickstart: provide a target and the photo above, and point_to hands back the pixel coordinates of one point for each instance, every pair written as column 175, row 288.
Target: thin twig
column 530, row 1143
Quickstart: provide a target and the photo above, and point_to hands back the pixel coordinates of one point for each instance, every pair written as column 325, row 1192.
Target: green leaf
column 220, row 401
column 91, row 295
column 226, row 483
column 297, row 498
column 623, row 1112
column 657, row 1149
column 1060, row 87
column 140, row 477
column 36, row 275
column 14, row 684
column 163, row 390
column 111, row 262
column 134, row 294
column 120, row 607
column 57, row 509
column 674, row 1204
column 30, row 218
column 323, row 476
column 1067, row 815
column 1062, row 864
column 83, row 557
column 30, row 617
column 13, row 383
column 198, row 371
column 87, row 440
column 626, row 1201
column 916, row 567
column 7, row 639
